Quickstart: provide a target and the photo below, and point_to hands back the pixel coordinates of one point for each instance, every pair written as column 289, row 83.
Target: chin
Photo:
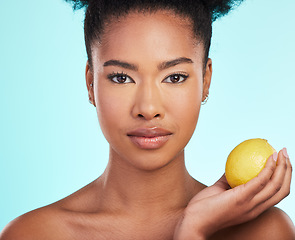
column 153, row 161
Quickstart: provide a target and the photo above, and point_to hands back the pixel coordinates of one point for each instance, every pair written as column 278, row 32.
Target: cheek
column 185, row 111
column 111, row 110
column 186, row 105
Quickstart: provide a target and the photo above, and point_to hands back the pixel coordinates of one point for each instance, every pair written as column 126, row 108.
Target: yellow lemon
column 247, row 160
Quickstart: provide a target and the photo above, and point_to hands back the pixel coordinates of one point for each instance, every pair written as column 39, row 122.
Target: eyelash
column 124, row 75
column 180, row 74
column 119, row 74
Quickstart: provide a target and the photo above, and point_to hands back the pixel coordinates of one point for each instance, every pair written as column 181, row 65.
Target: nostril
column 142, row 116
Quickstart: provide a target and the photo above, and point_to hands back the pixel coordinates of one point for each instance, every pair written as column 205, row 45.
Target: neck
column 168, row 188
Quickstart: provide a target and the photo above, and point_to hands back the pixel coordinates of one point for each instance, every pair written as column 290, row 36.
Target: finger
column 285, row 189
column 254, row 186
column 288, row 177
column 276, row 182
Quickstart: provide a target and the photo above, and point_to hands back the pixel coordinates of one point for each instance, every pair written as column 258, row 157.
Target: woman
column 147, row 74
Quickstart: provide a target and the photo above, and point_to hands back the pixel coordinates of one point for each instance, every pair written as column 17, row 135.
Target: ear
column 90, row 83
column 207, row 79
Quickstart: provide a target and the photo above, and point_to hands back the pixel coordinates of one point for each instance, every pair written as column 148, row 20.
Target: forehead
column 153, row 36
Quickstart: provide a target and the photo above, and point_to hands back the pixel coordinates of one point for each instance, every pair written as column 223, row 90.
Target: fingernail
column 285, row 153
column 275, row 156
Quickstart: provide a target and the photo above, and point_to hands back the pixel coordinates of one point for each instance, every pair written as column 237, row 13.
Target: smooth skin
column 148, row 71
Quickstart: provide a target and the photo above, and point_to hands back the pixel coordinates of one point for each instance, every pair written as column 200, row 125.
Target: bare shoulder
column 273, row 224
column 41, row 223
column 54, row 221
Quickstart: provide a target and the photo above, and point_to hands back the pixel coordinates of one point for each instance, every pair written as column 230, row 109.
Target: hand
column 218, row 206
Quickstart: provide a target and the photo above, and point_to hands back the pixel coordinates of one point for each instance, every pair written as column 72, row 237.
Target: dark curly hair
column 201, row 13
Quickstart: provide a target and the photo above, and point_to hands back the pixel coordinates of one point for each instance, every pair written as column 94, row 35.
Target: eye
column 120, row 78
column 176, row 78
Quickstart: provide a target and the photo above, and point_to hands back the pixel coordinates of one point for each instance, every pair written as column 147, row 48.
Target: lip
column 149, row 138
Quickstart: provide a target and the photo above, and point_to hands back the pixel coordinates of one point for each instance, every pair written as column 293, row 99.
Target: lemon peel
column 247, row 160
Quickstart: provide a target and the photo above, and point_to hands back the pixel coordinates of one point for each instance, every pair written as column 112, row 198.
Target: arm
column 219, row 207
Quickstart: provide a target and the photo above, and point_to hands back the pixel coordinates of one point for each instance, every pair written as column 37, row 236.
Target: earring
column 91, row 85
column 206, row 99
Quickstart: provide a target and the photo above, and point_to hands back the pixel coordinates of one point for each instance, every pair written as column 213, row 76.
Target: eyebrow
column 121, row 64
column 174, row 62
column 161, row 66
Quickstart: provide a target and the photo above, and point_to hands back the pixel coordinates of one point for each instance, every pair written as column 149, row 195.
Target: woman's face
column 149, row 82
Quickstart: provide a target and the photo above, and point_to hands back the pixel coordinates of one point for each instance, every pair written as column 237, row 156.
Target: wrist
column 188, row 236
column 187, row 229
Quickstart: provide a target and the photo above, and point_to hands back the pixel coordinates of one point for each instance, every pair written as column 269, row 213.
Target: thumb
column 222, row 182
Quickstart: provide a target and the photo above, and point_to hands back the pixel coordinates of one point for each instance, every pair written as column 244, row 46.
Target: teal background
column 51, row 144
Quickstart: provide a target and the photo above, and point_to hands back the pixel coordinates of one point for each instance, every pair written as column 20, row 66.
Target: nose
column 148, row 102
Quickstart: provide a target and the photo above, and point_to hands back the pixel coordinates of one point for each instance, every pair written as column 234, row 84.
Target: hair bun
column 78, row 4
column 219, row 8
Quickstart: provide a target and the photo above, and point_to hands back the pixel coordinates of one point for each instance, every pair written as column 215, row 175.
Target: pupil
column 175, row 78
column 121, row 79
